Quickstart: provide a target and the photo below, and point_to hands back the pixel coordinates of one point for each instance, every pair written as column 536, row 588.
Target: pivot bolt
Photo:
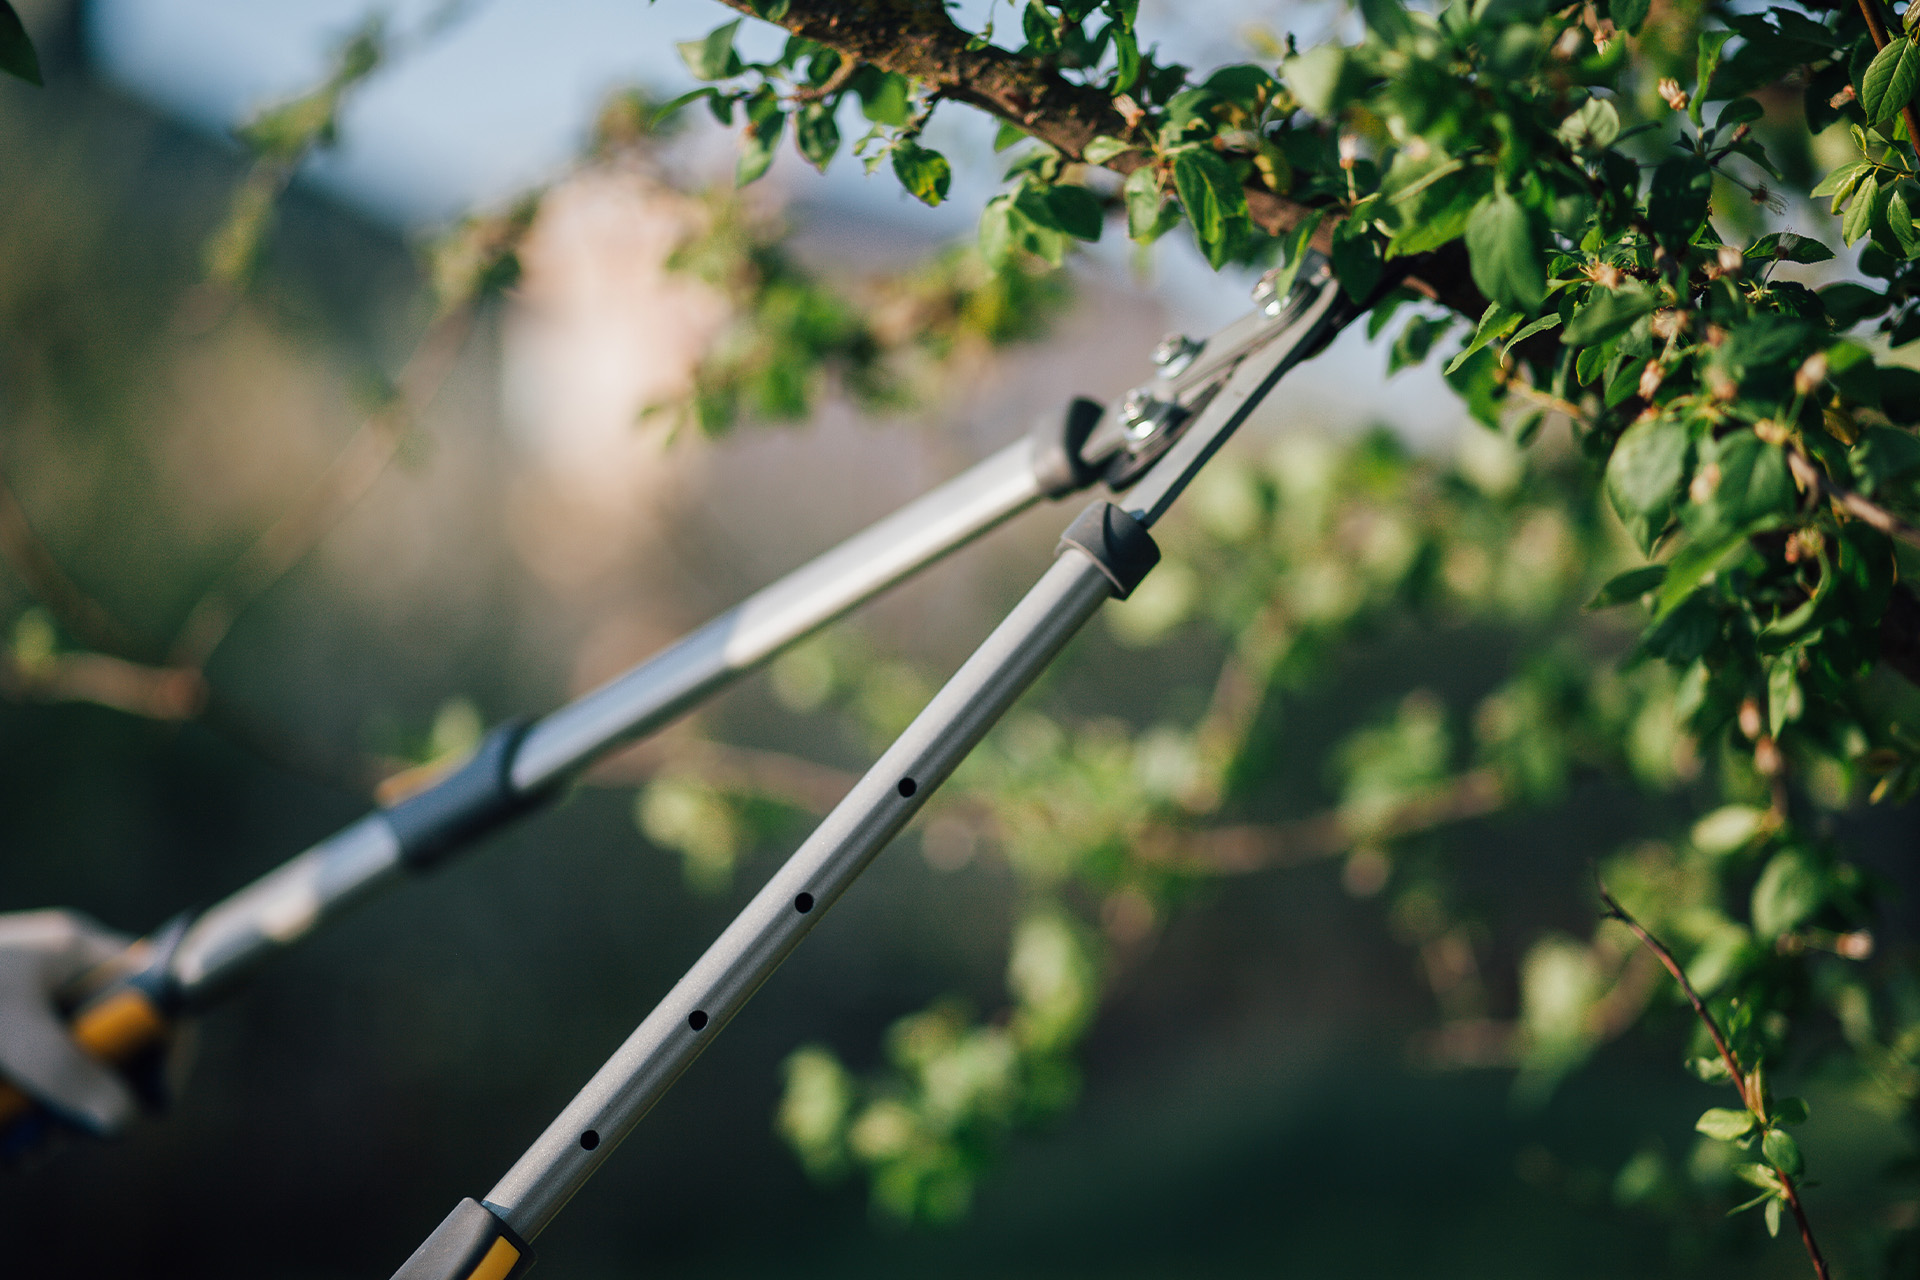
column 1267, row 295
column 1143, row 413
column 1175, row 353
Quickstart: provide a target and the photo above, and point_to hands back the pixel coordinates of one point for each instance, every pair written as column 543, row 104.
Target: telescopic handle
column 471, row 1244
column 120, row 1027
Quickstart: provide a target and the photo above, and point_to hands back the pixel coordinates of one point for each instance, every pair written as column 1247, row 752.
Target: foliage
column 1698, row 572
column 1756, row 449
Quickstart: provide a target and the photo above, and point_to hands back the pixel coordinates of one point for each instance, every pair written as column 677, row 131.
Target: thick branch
column 916, row 38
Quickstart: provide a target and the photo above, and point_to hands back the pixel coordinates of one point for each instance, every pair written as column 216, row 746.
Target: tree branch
column 1748, row 1087
column 916, row 39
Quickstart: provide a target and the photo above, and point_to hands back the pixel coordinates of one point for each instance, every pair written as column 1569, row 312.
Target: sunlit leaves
column 1725, row 1123
column 1644, row 474
column 1215, row 203
column 1888, row 86
column 1505, row 253
column 923, row 172
column 712, row 57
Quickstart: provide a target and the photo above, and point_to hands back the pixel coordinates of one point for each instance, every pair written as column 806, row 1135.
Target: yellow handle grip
column 117, row 1027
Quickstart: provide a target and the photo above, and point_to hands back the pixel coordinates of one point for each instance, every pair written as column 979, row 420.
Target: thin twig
column 842, row 74
column 1239, row 850
column 352, row 473
column 29, row 557
column 1860, row 508
column 1870, row 10
column 1747, row 1087
column 1526, row 391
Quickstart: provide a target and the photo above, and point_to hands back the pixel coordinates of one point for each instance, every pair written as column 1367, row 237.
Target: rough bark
column 916, row 38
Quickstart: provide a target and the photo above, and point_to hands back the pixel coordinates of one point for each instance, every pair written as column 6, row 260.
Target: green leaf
column 996, row 232
column 1216, row 205
column 1356, row 260
column 924, row 172
column 1859, row 218
column 1790, row 890
column 1790, row 1111
column 1505, row 256
column 1144, row 204
column 712, row 57
column 1727, row 828
column 1631, row 585
column 1293, row 251
column 1496, row 322
column 1607, row 312
column 765, row 123
column 1772, row 1215
column 1888, row 85
column 17, row 57
column 1784, row 700
column 1644, row 475
column 1629, row 14
column 1738, row 112
column 1753, row 485
column 1725, row 1123
column 1593, row 127
column 1783, row 1152
column 1708, row 61
column 1075, row 211
column 1677, row 200
column 1104, row 148
column 1387, row 19
column 1840, row 183
column 1320, row 78
column 1757, row 1175
column 816, row 134
column 1785, row 246
column 883, row 97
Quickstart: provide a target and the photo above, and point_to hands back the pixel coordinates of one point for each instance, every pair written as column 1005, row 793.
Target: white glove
column 40, row 953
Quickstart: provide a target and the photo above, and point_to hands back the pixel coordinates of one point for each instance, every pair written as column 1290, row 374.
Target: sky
column 502, row 98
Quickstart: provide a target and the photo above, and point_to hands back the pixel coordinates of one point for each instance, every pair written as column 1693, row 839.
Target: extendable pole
column 519, row 766
column 1104, row 553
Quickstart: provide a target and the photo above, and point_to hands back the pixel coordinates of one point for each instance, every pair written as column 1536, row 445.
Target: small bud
column 1751, row 723
column 1858, row 945
column 1705, row 482
column 1729, row 260
column 1650, row 379
column 1568, row 44
column 1605, row 274
column 1842, row 98
column 1770, row 431
column 1812, row 372
column 1721, row 385
column 1349, row 150
column 1716, row 336
column 1740, row 134
column 1672, row 93
column 1767, row 760
column 1670, row 323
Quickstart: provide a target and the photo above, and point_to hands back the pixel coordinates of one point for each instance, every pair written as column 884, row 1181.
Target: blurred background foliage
column 1261, row 936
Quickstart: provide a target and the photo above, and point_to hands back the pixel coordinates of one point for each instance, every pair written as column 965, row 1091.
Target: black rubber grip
column 1117, row 542
column 469, row 802
column 1058, row 463
column 466, row 1246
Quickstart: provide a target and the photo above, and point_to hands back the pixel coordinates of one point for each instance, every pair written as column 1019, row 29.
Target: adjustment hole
column 908, row 786
column 590, row 1139
column 803, row 903
column 697, row 1020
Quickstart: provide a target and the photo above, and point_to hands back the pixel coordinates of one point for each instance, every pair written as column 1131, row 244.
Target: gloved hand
column 41, row 952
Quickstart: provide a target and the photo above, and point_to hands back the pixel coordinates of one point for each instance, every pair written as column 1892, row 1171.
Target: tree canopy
column 1666, row 255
